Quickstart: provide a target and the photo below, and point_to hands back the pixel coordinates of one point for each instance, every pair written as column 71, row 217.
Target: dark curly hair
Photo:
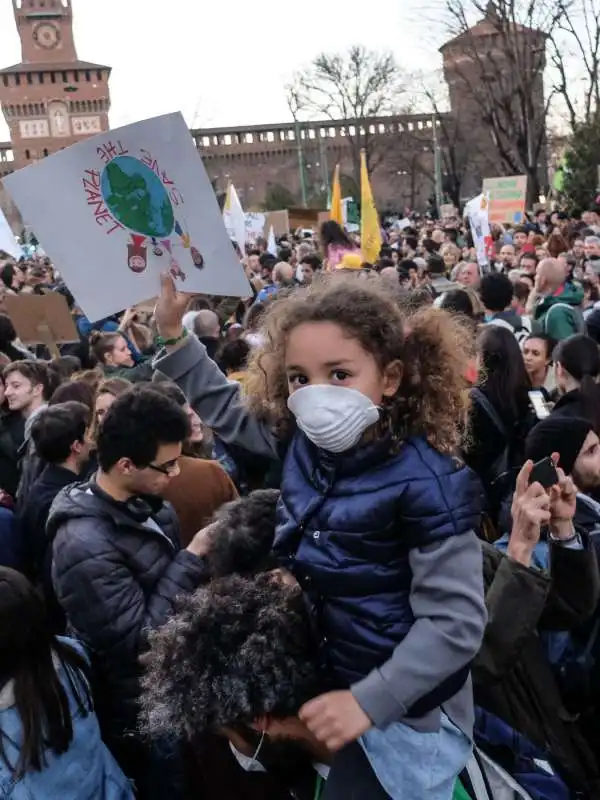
column 241, row 535
column 433, row 345
column 137, row 424
column 233, row 651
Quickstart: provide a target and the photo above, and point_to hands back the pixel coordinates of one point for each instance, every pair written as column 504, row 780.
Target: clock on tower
column 46, row 30
column 46, row 35
column 51, row 99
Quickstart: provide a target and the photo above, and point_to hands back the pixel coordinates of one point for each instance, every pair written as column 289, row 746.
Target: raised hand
column 170, row 308
column 530, row 510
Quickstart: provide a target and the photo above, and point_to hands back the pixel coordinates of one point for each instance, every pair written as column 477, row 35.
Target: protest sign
column 279, row 221
column 477, row 211
column 322, row 217
column 116, row 210
column 255, row 225
column 8, row 243
column 304, row 217
column 507, row 199
column 41, row 319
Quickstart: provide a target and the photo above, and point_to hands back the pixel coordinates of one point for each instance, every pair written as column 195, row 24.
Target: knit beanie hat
column 556, row 434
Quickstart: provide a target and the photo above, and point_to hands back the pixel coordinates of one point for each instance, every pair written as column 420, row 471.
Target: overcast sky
column 228, row 63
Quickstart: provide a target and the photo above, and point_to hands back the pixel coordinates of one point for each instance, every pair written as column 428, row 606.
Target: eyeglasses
column 168, row 468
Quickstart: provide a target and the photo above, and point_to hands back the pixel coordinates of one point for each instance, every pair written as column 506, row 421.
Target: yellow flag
column 370, row 232
column 336, row 212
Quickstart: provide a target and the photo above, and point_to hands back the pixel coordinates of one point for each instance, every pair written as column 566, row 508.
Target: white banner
column 133, row 203
column 477, row 211
column 8, row 243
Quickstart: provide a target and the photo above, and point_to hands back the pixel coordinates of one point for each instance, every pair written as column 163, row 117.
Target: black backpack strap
column 479, row 397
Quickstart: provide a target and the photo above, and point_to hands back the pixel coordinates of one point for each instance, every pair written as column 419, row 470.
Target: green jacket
column 561, row 316
column 140, row 373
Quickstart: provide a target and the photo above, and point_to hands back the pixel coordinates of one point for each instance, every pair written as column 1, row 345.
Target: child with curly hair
column 376, row 520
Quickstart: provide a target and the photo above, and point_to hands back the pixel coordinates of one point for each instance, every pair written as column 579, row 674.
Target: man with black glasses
column 118, row 567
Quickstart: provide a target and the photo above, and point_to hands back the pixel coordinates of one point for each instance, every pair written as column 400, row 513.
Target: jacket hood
column 507, row 318
column 572, row 295
column 80, row 500
column 32, row 418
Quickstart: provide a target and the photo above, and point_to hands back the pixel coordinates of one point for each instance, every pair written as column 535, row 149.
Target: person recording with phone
column 576, row 445
column 533, row 608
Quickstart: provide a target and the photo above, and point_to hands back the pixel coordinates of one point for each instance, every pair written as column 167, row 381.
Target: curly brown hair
column 433, row 346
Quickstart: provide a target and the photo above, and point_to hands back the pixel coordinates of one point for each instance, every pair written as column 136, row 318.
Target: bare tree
column 574, row 49
column 356, row 87
column 501, row 78
column 430, row 96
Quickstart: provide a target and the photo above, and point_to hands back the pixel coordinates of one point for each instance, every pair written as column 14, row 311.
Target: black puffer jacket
column 117, row 568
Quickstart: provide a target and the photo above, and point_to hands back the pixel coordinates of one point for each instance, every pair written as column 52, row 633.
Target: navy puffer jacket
column 346, row 528
column 117, row 569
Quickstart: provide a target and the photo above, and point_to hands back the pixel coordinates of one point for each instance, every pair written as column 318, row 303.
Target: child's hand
column 335, row 719
column 170, row 308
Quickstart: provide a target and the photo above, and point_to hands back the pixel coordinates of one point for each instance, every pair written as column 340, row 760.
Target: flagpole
column 324, row 165
column 438, row 166
column 301, row 164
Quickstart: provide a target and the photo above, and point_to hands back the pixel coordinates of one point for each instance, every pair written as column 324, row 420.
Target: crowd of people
column 335, row 540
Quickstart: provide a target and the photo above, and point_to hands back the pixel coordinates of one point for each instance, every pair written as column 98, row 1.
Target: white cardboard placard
column 116, row 210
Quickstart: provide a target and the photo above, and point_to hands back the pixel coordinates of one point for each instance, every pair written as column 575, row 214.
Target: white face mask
column 333, row 417
column 247, row 763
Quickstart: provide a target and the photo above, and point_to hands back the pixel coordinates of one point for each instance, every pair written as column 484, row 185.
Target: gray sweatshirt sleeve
column 217, row 401
column 447, row 600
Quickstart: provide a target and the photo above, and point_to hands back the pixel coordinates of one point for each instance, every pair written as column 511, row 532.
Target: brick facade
column 261, row 157
column 51, row 99
column 480, row 65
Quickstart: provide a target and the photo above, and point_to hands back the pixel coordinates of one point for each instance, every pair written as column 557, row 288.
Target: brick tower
column 51, row 99
column 480, row 67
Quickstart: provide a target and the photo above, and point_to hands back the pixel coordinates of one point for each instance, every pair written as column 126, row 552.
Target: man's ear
column 125, row 466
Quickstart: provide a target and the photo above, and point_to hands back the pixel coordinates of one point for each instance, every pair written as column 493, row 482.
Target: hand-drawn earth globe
column 136, row 197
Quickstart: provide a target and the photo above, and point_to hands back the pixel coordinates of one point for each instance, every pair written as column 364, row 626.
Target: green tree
column 278, row 197
column 582, row 159
column 349, row 186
